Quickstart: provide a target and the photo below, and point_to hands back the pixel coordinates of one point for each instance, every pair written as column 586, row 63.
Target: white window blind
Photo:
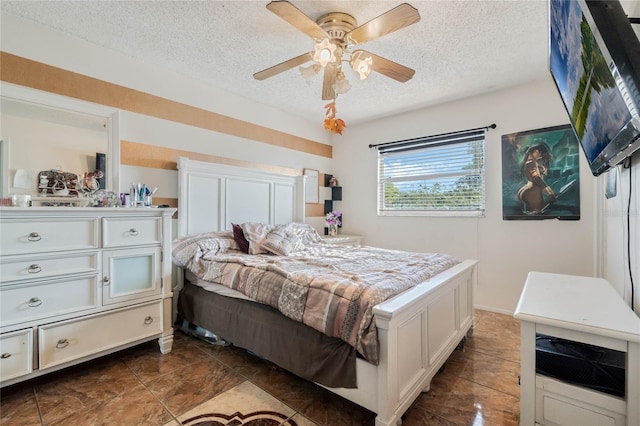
column 433, row 175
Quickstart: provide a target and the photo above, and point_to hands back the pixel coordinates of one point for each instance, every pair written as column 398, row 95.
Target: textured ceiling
column 458, row 48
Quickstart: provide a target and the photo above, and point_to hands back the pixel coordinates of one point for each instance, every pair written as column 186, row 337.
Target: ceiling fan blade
column 295, row 17
column 330, row 73
column 389, row 68
column 283, row 66
column 393, row 20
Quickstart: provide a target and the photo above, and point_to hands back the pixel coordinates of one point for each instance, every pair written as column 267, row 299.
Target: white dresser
column 576, row 309
column 77, row 283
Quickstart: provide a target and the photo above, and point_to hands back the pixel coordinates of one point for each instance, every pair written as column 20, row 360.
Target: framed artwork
column 541, row 174
column 311, row 186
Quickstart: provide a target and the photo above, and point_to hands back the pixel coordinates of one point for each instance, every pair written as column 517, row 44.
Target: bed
column 416, row 329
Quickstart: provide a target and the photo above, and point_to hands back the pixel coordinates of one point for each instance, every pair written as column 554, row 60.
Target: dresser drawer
column 16, row 354
column 68, row 340
column 127, row 231
column 30, row 268
column 19, row 236
column 32, row 301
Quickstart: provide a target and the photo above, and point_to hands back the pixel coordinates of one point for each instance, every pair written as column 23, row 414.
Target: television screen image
column 600, row 101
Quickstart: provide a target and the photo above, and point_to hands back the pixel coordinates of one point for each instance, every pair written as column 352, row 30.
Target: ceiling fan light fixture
column 342, row 85
column 361, row 64
column 324, row 52
column 309, row 72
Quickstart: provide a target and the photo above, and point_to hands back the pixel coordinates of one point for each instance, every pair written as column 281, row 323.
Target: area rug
column 244, row 405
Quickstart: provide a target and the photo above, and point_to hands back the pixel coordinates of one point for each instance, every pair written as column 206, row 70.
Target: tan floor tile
column 496, row 335
column 149, row 363
column 243, row 402
column 137, row 406
column 182, row 389
column 331, row 409
column 496, row 373
column 477, row 384
column 82, row 387
column 302, row 420
column 418, row 416
column 18, row 406
column 464, row 402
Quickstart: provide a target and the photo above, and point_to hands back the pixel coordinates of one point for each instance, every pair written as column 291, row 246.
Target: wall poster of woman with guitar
column 540, row 174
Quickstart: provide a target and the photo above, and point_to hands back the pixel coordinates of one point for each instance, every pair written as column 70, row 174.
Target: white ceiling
column 458, row 49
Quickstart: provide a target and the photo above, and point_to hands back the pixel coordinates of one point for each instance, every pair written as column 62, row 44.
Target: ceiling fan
column 335, row 34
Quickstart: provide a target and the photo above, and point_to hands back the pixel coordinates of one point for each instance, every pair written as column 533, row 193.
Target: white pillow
column 306, row 233
column 282, row 240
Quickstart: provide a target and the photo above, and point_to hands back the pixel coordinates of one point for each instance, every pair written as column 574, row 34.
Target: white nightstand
column 343, row 240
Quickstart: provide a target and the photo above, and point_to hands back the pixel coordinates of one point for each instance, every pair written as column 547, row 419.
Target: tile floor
column 139, row 386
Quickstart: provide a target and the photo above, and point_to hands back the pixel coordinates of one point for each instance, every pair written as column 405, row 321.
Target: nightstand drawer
column 343, row 240
column 48, row 235
column 27, row 302
column 68, row 340
column 35, row 268
column 127, row 231
column 16, row 354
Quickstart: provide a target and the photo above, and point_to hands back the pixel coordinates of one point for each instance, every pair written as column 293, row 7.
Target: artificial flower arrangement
column 331, row 123
column 332, row 219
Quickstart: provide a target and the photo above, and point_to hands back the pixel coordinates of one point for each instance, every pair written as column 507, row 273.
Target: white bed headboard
column 211, row 196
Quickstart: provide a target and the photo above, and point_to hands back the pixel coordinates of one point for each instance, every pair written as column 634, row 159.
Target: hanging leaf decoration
column 331, row 123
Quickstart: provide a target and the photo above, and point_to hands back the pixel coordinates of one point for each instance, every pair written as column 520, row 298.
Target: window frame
column 424, row 145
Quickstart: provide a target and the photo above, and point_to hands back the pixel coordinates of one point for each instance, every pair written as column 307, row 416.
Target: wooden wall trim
column 37, row 75
column 314, row 210
column 159, row 157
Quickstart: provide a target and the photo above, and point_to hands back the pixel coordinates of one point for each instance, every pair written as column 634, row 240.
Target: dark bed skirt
column 266, row 332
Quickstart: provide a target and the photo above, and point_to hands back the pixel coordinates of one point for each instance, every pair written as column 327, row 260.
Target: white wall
column 26, row 39
column 507, row 250
column 618, row 234
column 29, row 40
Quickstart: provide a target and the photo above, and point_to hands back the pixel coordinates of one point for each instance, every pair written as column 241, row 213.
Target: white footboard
column 418, row 330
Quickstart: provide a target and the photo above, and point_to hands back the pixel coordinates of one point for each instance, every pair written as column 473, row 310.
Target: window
column 433, row 175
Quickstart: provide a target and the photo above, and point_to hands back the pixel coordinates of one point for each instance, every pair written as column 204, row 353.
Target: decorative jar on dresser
column 78, row 283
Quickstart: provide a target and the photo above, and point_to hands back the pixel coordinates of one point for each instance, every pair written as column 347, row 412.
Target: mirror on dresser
column 42, row 131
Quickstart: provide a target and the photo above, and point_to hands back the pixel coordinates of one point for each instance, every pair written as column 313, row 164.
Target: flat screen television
column 594, row 58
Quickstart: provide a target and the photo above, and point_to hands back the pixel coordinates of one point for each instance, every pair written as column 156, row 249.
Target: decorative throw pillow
column 282, row 241
column 239, row 238
column 306, row 233
column 255, row 233
column 192, row 248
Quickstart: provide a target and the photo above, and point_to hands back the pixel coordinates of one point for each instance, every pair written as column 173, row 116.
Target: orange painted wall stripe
column 37, row 75
column 158, row 157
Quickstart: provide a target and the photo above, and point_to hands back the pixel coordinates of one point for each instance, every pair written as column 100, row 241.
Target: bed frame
column 417, row 329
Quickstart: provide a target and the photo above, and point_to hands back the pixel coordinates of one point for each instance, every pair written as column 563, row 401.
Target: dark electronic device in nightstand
column 577, row 363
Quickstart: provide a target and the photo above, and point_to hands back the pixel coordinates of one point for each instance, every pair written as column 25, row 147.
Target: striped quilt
column 330, row 288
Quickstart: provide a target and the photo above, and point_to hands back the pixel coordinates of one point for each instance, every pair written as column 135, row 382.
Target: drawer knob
column 106, row 281
column 62, row 343
column 34, row 236
column 34, row 269
column 34, row 301
column 133, row 231
column 148, row 320
column 5, row 355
